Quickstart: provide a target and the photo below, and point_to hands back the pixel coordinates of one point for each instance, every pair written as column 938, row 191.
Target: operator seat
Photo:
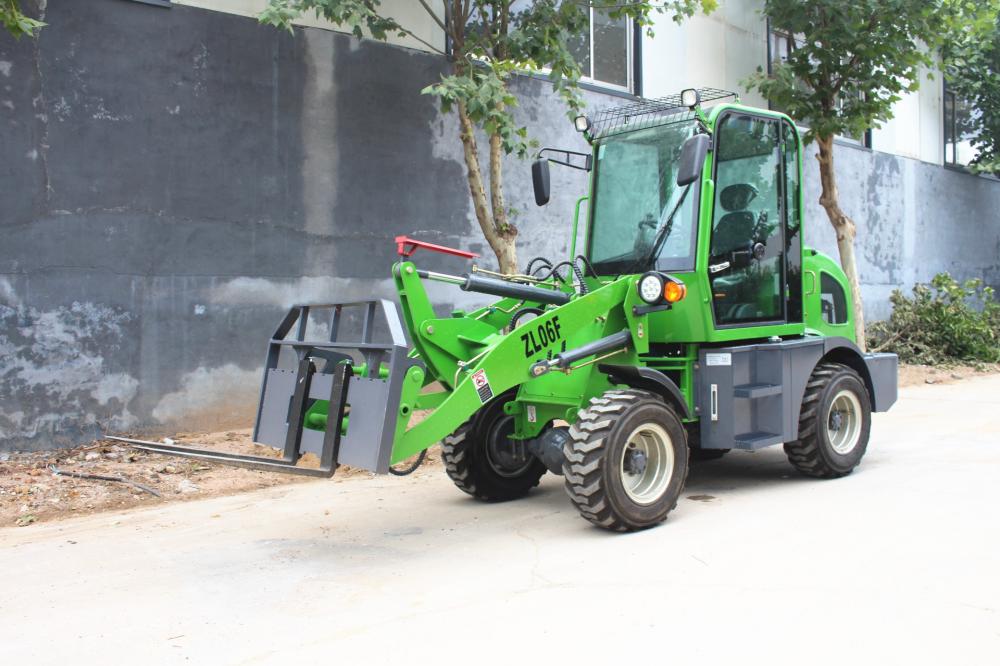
column 735, row 230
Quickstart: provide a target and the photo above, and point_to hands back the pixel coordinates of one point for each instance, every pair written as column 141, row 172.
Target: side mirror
column 540, row 181
column 692, row 159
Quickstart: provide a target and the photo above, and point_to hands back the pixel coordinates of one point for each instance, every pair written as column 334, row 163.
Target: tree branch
column 430, row 12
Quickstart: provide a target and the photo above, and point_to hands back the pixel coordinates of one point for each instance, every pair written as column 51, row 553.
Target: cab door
column 755, row 249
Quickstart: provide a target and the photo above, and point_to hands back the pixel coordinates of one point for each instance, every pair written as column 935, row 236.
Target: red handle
column 406, row 246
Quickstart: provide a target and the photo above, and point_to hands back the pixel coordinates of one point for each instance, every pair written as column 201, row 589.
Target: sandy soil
column 914, row 375
column 31, row 492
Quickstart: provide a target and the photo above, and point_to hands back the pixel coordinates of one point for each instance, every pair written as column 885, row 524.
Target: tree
column 971, row 57
column 851, row 64
column 490, row 41
column 17, row 22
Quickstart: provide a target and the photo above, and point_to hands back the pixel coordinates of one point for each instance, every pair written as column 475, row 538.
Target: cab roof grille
column 647, row 113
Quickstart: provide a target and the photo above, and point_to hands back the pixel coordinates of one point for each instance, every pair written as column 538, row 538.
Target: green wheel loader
column 693, row 321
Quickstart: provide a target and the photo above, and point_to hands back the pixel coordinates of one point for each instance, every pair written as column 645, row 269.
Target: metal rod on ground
column 101, row 477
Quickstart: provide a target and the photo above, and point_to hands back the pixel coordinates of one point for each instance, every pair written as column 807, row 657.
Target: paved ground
column 896, row 564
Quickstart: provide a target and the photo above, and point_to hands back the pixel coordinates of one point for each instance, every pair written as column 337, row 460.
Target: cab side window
column 746, row 268
column 833, row 301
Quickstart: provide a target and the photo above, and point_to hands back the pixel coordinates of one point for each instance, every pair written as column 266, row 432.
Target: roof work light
column 690, row 98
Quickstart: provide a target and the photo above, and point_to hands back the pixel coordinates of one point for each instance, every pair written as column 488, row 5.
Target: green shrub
column 943, row 322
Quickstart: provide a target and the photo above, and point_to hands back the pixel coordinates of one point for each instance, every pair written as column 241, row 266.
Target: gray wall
column 914, row 220
column 173, row 179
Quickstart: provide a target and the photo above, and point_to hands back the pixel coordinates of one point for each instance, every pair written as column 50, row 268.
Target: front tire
column 834, row 423
column 626, row 460
column 484, row 462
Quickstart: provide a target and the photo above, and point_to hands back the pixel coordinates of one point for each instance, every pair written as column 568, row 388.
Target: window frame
column 953, row 162
column 630, row 60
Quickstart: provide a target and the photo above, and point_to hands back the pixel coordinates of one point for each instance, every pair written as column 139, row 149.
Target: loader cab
column 734, row 236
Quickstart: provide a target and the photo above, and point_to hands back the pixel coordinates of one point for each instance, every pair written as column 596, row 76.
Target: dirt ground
column 31, row 492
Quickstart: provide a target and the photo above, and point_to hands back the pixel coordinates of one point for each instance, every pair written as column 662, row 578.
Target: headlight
column 651, row 287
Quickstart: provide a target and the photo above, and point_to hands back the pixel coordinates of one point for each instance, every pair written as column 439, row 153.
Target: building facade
column 174, row 175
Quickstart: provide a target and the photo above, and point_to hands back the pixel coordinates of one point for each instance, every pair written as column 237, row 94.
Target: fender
column 651, row 380
column 877, row 370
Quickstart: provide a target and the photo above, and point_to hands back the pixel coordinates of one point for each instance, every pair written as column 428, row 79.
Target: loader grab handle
column 406, row 246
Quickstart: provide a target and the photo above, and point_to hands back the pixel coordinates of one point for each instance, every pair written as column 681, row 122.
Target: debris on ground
column 913, row 374
column 109, row 476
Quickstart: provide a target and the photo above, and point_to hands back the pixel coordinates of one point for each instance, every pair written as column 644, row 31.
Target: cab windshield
column 638, row 206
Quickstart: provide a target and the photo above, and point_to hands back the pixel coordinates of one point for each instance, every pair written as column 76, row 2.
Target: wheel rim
column 843, row 422
column 500, row 450
column 647, row 463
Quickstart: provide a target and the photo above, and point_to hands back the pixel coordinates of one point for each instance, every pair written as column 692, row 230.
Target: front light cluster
column 659, row 288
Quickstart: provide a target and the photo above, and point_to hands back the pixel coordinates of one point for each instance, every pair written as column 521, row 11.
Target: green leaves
column 482, row 88
column 852, row 60
column 493, row 41
column 943, row 322
column 16, row 22
column 971, row 57
column 354, row 15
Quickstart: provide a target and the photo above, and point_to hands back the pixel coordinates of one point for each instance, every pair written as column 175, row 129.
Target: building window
column 960, row 121
column 605, row 54
column 780, row 45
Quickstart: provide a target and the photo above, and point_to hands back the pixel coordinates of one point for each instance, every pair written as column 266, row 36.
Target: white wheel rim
column 843, row 422
column 649, row 484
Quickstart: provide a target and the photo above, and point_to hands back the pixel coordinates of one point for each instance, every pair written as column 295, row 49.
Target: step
column 754, row 391
column 757, row 440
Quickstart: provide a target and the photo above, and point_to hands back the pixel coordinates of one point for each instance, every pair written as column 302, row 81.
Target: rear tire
column 626, row 460
column 482, row 460
column 834, row 423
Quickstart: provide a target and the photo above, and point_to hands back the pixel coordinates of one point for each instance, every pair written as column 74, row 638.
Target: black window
column 833, row 301
column 960, row 120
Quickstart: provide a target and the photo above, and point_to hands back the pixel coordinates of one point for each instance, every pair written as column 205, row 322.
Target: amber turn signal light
column 673, row 291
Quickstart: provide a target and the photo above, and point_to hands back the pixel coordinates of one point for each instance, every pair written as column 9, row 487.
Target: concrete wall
column 173, row 179
column 914, row 220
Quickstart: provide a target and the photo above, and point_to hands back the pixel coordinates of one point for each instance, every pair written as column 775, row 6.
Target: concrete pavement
column 895, row 564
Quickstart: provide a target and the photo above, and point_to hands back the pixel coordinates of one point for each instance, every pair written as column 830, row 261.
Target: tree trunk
column 846, row 231
column 507, row 232
column 499, row 238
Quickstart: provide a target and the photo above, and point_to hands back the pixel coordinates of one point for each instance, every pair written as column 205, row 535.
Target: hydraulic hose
column 412, row 468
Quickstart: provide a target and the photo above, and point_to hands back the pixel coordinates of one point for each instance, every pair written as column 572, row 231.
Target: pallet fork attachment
column 329, row 376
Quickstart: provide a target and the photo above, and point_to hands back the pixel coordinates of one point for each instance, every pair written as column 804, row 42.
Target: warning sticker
column 718, row 359
column 482, row 385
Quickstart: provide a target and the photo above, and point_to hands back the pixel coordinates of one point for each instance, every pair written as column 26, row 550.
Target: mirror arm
column 588, row 158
